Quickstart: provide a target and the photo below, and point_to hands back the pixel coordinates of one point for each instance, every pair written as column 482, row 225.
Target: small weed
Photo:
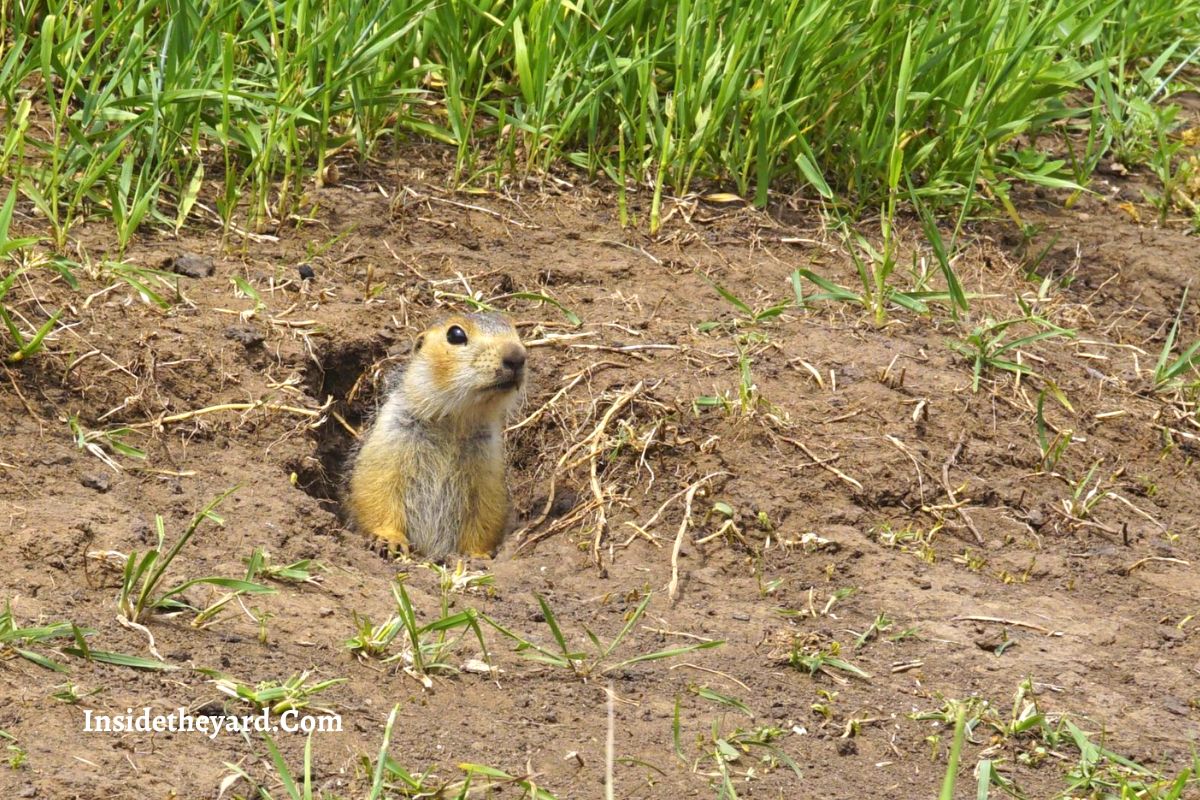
column 1032, row 737
column 477, row 303
column 881, row 624
column 259, row 565
column 1084, row 497
column 748, row 399
column 26, row 344
column 263, row 618
column 389, row 779
column 69, row 693
column 278, row 696
column 1051, row 449
column 429, row 645
column 907, row 633
column 17, row 757
column 766, row 588
column 11, row 249
column 142, row 280
column 288, row 780
column 749, row 315
column 460, row 581
column 721, row 699
column 18, row 640
column 96, row 442
column 725, row 515
column 141, row 582
column 970, row 560
column 875, row 267
column 986, row 345
column 812, row 611
column 738, row 756
column 824, row 706
column 598, row 662
column 1167, row 371
column 1163, row 163
column 910, row 539
column 824, row 659
column 372, row 640
column 84, row 651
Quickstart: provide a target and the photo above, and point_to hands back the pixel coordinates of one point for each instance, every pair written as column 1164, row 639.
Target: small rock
column 98, row 482
column 190, row 265
column 1170, row 633
column 741, row 617
column 1176, row 706
column 990, row 640
column 306, row 272
column 1036, row 518
column 141, row 529
column 248, row 336
column 325, row 612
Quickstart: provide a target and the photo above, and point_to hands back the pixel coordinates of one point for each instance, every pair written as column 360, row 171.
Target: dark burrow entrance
column 354, row 374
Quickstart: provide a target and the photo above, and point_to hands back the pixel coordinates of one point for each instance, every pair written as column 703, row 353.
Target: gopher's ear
column 420, row 341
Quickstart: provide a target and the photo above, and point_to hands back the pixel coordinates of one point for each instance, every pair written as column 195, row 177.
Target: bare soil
column 856, row 434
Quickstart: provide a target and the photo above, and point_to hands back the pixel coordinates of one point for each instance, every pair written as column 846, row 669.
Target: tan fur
column 430, row 473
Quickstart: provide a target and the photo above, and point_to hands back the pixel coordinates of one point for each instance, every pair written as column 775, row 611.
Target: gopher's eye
column 456, row 335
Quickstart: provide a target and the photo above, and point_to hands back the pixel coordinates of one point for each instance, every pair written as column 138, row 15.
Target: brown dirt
column 1118, row 661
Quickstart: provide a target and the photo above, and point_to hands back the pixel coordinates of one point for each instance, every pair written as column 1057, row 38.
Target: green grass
column 1030, row 737
column 151, row 112
column 142, row 589
column 988, row 345
column 1169, row 371
column 429, row 646
column 17, row 641
column 278, row 696
column 602, row 659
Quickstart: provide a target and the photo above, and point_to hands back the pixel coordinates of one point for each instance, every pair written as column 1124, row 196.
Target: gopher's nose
column 514, row 358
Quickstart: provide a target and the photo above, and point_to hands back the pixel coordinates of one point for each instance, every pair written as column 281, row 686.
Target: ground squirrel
column 430, row 472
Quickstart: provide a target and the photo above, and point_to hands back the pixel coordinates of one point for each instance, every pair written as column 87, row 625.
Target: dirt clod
column 98, row 481
column 190, row 265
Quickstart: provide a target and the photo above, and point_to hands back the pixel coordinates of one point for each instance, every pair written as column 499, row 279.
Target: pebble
column 1176, row 706
column 190, row 265
column 249, row 337
column 98, row 482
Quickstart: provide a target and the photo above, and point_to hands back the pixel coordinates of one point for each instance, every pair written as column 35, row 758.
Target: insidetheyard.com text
column 183, row 721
